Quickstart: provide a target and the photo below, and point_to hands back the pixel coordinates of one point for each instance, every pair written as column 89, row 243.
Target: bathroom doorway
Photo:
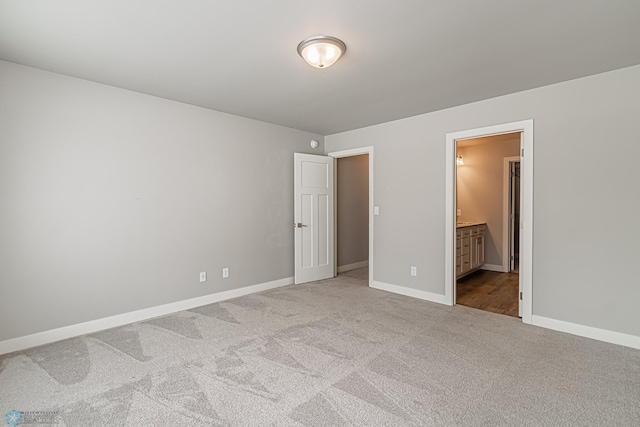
column 525, row 268
column 487, row 236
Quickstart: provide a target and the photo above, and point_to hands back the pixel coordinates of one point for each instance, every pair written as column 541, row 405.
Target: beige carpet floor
column 329, row 353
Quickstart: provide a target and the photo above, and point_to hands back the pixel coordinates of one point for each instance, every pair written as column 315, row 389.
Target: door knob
column 298, row 225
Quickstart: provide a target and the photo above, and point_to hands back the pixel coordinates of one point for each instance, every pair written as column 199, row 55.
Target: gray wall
column 112, row 201
column 585, row 195
column 353, row 209
column 480, row 188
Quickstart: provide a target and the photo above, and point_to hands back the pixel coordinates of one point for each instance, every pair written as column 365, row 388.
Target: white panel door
column 313, row 217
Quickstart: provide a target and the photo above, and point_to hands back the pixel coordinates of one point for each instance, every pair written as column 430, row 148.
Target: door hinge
column 511, row 257
column 522, row 151
column 520, row 296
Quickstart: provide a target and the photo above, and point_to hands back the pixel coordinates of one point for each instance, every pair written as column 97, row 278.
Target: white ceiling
column 403, row 57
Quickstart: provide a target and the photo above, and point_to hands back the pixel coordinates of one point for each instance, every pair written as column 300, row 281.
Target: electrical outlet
column 225, row 272
column 459, row 212
column 414, row 271
column 203, row 276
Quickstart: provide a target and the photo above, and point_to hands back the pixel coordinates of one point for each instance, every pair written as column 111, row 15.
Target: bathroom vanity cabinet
column 469, row 248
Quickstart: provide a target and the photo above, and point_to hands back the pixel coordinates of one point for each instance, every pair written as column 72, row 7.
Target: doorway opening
column 525, row 248
column 354, row 213
column 314, row 214
column 352, row 216
column 487, row 238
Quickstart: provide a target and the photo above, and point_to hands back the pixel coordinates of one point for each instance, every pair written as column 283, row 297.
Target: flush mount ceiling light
column 321, row 51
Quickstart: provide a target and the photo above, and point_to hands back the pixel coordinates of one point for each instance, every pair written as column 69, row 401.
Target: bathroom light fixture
column 459, row 161
column 321, row 51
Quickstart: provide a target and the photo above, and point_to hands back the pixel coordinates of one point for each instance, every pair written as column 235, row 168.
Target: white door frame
column 350, row 153
column 506, row 197
column 526, row 215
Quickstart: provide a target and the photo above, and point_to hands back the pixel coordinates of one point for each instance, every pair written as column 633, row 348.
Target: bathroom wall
column 480, row 188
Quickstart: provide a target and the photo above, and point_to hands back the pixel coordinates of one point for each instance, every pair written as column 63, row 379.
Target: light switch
column 376, row 210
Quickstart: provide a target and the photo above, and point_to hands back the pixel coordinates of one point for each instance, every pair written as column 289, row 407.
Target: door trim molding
column 526, row 234
column 505, row 213
column 350, row 153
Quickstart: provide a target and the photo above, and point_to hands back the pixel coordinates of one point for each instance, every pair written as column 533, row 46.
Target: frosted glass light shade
column 321, row 51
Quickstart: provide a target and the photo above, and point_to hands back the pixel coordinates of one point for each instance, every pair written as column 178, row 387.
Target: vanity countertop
column 463, row 224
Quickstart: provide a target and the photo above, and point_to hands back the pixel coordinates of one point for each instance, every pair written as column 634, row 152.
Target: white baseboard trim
column 493, row 267
column 46, row 337
column 354, row 266
column 587, row 331
column 410, row 292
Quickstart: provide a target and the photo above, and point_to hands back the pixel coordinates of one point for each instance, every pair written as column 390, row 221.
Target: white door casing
column 313, row 217
column 526, row 212
column 520, row 224
column 357, row 152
